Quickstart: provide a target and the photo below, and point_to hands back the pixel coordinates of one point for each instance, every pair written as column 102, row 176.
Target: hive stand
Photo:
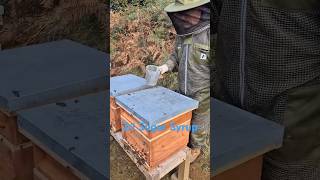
column 181, row 160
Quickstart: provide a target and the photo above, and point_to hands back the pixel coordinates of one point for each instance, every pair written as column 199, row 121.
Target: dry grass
column 140, row 35
column 46, row 20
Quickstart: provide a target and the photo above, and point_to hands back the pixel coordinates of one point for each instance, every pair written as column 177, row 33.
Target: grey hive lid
column 42, row 73
column 238, row 136
column 74, row 130
column 126, row 83
column 155, row 105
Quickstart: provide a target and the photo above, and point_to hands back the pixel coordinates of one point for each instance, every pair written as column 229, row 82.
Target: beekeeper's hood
column 188, row 16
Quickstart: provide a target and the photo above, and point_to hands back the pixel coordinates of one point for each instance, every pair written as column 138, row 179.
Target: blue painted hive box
column 73, row 131
column 120, row 85
column 156, row 123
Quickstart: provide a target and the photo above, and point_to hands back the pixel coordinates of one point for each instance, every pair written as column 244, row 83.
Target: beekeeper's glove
column 163, row 68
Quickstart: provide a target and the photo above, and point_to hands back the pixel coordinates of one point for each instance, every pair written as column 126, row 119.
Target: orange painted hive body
column 120, row 85
column 156, row 123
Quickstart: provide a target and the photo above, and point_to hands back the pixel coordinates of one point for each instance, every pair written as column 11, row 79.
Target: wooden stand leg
column 183, row 173
column 156, row 177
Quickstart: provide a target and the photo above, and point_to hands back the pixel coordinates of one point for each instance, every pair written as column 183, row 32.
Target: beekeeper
column 268, row 63
column 191, row 20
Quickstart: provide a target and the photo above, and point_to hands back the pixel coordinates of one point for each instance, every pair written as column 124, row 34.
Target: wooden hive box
column 148, row 117
column 46, row 73
column 48, row 168
column 71, row 140
column 16, row 160
column 240, row 139
column 120, row 85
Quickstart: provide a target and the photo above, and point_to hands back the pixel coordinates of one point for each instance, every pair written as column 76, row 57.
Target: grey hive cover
column 238, row 136
column 126, row 83
column 155, row 105
column 74, row 130
column 44, row 73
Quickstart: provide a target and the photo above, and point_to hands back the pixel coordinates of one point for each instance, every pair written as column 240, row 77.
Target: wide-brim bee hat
column 182, row 5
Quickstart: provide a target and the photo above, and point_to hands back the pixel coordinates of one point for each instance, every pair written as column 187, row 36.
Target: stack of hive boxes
column 156, row 123
column 120, row 85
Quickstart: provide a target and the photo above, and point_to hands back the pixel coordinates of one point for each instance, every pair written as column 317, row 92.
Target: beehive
column 16, row 160
column 148, row 117
column 41, row 74
column 120, row 85
column 71, row 136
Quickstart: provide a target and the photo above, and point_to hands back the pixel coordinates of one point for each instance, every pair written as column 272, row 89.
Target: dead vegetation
column 34, row 21
column 140, row 35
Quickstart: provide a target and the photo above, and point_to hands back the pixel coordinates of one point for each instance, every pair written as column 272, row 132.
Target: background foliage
column 141, row 34
column 34, row 21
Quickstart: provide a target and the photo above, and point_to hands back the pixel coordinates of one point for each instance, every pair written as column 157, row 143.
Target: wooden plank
column 239, row 136
column 115, row 121
column 250, row 170
column 162, row 169
column 37, row 175
column 50, row 169
column 52, row 155
column 9, row 128
column 184, row 168
column 15, row 161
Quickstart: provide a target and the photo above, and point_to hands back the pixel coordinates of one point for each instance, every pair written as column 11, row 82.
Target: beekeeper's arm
column 171, row 63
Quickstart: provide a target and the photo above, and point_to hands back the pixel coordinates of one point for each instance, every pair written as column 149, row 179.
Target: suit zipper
column 243, row 23
column 186, row 69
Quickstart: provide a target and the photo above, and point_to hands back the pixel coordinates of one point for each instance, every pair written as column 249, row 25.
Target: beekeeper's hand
column 163, row 68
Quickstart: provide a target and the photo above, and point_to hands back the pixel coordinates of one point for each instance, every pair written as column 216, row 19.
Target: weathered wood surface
column 15, row 161
column 115, row 121
column 238, row 136
column 47, row 168
column 180, row 159
column 9, row 129
column 73, row 130
column 250, row 170
column 50, row 72
column 155, row 105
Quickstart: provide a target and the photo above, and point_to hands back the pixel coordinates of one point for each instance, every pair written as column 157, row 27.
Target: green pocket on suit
column 201, row 53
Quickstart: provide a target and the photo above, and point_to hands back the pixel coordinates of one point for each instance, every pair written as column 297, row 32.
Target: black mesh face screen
column 189, row 21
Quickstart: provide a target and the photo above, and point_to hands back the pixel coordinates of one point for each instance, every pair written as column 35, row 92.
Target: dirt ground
column 143, row 35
